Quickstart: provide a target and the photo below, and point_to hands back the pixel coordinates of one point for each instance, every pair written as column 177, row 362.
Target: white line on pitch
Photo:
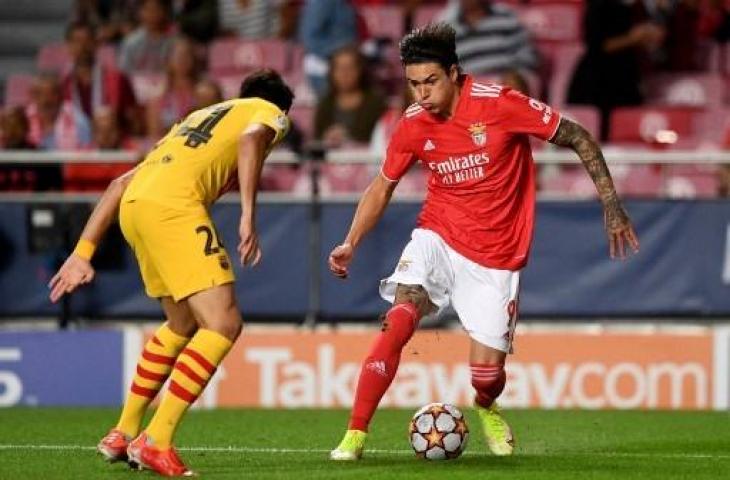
column 233, row 449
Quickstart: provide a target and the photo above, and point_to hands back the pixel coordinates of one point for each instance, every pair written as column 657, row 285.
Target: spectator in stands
column 609, row 73
column 14, row 129
column 147, row 48
column 178, row 97
column 111, row 19
column 351, row 108
column 325, row 26
column 250, row 18
column 490, row 38
column 106, row 132
column 55, row 123
column 90, row 85
column 207, row 93
column 197, row 19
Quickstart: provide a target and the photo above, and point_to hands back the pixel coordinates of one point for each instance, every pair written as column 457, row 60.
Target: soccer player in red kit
column 475, row 229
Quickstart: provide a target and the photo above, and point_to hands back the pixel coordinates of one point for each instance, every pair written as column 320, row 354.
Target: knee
column 183, row 326
column 231, row 324
column 400, row 322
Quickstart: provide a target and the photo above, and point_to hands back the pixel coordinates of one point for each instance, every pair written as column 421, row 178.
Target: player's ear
column 454, row 73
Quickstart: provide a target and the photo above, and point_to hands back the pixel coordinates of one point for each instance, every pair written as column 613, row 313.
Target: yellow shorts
column 178, row 250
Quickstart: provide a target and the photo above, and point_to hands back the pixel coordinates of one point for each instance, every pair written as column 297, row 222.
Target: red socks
column 488, row 380
column 381, row 364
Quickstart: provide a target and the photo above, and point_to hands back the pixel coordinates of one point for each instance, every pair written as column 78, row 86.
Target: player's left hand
column 620, row 232
column 248, row 248
column 74, row 272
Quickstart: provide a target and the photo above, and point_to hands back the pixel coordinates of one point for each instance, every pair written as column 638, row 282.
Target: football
column 438, row 431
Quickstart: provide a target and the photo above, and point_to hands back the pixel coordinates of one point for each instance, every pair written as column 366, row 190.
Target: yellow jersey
column 197, row 160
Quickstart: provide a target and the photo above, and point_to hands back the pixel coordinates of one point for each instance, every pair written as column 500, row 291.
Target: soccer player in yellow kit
column 163, row 212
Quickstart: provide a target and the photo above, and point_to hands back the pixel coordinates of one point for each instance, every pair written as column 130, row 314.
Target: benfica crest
column 478, row 134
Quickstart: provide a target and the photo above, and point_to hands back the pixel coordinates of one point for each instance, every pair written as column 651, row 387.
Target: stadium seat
column 232, row 55
column 54, row 57
column 552, row 21
column 561, row 60
column 88, row 177
column 638, row 180
column 691, row 181
column 586, row 115
column 347, row 177
column 303, row 93
column 284, row 178
column 303, row 117
column 229, row 83
column 414, row 183
column 383, row 20
column 426, row 14
column 641, row 124
column 17, row 89
column 693, row 90
column 567, row 180
column 147, row 86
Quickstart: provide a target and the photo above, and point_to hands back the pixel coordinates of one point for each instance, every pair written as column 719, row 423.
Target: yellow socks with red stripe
column 194, row 367
column 153, row 368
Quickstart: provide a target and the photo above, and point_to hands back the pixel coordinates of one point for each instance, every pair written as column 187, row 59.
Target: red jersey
column 481, row 191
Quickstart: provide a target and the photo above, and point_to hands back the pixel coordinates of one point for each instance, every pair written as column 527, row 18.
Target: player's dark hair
column 434, row 43
column 268, row 84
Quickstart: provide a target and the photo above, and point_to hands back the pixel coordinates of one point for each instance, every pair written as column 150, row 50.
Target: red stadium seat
column 641, row 124
column 84, row 177
column 303, row 93
column 426, row 14
column 414, row 183
column 570, row 180
column 586, row 115
column 17, row 89
column 638, row 180
column 552, row 21
column 54, row 57
column 284, row 178
column 694, row 90
column 232, row 55
column 561, row 61
column 347, row 178
column 691, row 181
column 383, row 20
column 303, row 117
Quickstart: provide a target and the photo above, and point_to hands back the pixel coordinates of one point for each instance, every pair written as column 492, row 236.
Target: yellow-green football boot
column 351, row 446
column 496, row 430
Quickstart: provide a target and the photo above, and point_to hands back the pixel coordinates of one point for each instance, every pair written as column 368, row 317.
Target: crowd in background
column 348, row 82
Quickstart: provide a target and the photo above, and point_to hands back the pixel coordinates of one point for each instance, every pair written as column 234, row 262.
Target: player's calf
column 381, row 364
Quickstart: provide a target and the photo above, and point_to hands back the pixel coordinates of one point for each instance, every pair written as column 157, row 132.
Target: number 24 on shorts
column 211, row 235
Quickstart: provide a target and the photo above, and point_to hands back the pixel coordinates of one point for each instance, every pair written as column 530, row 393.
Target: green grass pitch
column 49, row 444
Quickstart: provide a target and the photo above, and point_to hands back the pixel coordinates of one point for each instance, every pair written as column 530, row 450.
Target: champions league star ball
column 438, row 431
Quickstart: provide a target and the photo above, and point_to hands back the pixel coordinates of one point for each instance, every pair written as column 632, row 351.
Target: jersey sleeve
column 269, row 115
column 519, row 113
column 399, row 156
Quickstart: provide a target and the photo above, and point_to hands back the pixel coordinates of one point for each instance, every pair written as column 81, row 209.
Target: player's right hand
column 248, row 248
column 74, row 272
column 340, row 259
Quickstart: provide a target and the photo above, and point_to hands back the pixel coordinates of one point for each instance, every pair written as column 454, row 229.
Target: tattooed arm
column 618, row 225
